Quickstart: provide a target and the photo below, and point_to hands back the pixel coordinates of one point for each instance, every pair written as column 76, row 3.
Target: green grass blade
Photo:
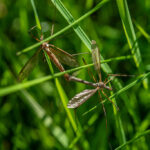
column 63, row 96
column 36, row 15
column 129, row 31
column 131, row 37
column 14, row 88
column 119, row 126
column 65, row 29
column 69, row 18
column 61, row 92
column 65, row 100
column 78, row 30
column 134, row 139
column 142, row 31
column 47, row 120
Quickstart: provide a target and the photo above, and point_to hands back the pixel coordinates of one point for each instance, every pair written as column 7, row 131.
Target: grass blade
column 129, row 31
column 87, row 43
column 36, row 15
column 63, row 96
column 46, row 119
column 142, row 31
column 61, row 92
column 134, row 139
column 14, row 88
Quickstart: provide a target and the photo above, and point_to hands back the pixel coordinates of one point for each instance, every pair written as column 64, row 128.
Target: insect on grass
column 83, row 96
column 56, row 55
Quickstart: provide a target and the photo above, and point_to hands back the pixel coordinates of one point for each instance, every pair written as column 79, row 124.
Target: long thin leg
column 104, row 110
column 106, row 78
column 110, row 100
column 116, row 75
column 121, row 75
column 108, row 81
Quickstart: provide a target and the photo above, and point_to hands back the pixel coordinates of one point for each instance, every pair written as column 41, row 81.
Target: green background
column 37, row 117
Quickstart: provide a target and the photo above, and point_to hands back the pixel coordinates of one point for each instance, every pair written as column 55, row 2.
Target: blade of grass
column 66, row 28
column 41, row 114
column 119, row 127
column 131, row 36
column 129, row 30
column 14, row 88
column 63, row 96
column 142, row 31
column 61, row 92
column 36, row 15
column 134, row 139
column 57, row 132
column 64, row 99
column 78, row 30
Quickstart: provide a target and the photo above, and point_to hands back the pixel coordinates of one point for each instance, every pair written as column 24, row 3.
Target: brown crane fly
column 83, row 96
column 56, row 55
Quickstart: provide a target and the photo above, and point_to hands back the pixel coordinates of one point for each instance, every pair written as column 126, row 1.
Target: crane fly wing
column 96, row 57
column 28, row 67
column 80, row 98
column 63, row 56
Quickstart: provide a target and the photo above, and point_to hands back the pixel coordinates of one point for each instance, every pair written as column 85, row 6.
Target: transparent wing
column 46, row 30
column 96, row 57
column 80, row 98
column 28, row 67
column 63, row 56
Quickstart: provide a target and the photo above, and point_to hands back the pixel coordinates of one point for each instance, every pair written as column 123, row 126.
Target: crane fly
column 83, row 96
column 56, row 55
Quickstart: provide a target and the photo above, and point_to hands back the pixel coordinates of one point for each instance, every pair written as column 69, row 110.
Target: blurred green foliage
column 35, row 118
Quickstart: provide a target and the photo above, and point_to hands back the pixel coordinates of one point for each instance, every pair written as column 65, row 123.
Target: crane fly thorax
column 100, row 84
column 103, row 85
column 45, row 46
